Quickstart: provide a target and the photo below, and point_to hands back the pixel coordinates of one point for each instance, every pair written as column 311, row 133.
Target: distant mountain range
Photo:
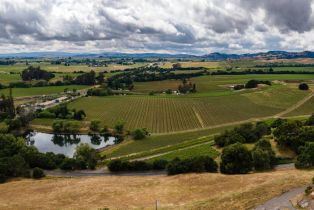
column 212, row 56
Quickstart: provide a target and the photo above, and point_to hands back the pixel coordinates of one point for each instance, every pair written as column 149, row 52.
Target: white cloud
column 176, row 26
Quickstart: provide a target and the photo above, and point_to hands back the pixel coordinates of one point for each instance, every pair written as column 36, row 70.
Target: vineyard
column 169, row 114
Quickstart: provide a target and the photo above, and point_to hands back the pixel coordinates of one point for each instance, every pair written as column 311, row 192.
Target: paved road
column 282, row 201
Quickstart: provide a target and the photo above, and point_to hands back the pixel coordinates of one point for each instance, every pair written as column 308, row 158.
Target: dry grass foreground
column 192, row 191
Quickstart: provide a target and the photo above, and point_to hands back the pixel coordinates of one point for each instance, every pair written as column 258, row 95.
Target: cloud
column 176, row 26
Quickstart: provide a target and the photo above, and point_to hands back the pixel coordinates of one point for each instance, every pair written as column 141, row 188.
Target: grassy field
column 190, row 191
column 34, row 91
column 197, row 150
column 162, row 143
column 216, row 85
column 168, row 114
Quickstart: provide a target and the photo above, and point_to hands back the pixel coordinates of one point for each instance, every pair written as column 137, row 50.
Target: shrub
column 139, row 133
column 303, row 86
column 119, row 166
column 160, row 164
column 236, row 159
column 308, row 190
column 69, row 164
column 46, row 114
column 57, row 126
column 38, row 173
column 238, row 87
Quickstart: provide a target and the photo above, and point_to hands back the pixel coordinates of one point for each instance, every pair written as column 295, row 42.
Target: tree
column 236, row 159
column 228, row 137
column 278, row 122
column 263, row 156
column 252, row 84
column 303, row 86
column 306, row 157
column 287, row 134
column 87, row 154
column 95, row 125
column 57, row 126
column 79, row 115
column 119, row 127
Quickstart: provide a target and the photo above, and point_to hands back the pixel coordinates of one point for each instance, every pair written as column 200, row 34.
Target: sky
column 158, row 26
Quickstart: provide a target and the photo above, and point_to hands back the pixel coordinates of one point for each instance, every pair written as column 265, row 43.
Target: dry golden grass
column 297, row 60
column 192, row 191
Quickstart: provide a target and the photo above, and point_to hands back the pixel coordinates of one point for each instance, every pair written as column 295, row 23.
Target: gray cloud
column 294, row 15
column 197, row 26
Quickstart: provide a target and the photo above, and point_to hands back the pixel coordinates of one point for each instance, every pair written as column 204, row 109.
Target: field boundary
column 199, row 118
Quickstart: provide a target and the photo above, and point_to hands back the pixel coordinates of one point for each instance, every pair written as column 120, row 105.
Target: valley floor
column 191, row 191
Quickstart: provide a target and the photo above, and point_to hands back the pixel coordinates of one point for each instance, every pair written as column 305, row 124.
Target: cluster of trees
column 298, row 137
column 7, row 62
column 86, row 78
column 245, row 133
column 62, row 112
column 65, row 126
column 237, row 159
column 35, row 73
column 195, row 164
column 17, row 159
column 187, row 87
column 145, row 74
column 176, row 166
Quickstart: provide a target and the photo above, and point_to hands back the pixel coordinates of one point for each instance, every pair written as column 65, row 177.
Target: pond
column 66, row 144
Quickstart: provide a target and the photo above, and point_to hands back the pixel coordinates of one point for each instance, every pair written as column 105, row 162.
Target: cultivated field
column 162, row 114
column 191, row 191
